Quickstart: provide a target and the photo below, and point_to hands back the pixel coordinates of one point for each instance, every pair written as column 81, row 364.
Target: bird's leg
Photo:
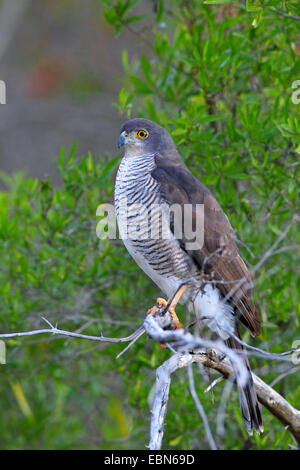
column 160, row 305
column 172, row 304
column 169, row 306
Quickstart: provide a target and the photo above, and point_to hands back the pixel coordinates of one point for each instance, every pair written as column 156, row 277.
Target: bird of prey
column 209, row 276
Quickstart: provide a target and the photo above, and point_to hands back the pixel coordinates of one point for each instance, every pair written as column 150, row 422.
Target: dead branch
column 268, row 397
column 56, row 331
column 187, row 349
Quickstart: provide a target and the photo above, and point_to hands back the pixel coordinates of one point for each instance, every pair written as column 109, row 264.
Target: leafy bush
column 219, row 78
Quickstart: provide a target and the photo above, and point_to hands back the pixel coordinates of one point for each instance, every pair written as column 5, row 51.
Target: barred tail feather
column 248, row 399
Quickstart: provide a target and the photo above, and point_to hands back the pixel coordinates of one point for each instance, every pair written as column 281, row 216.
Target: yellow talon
column 160, row 303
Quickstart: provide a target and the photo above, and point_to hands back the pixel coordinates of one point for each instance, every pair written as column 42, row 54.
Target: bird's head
column 144, row 137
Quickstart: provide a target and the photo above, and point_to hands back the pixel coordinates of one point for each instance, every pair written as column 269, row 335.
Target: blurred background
column 62, row 64
column 219, row 78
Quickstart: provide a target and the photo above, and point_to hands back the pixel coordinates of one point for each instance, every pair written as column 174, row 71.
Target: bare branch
column 159, row 409
column 213, row 384
column 56, row 331
column 189, row 351
column 222, row 409
column 286, row 15
column 268, row 397
column 182, row 341
column 279, row 407
column 200, row 409
column 285, row 374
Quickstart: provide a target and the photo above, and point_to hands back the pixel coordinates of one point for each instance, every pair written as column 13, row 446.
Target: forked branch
column 190, row 350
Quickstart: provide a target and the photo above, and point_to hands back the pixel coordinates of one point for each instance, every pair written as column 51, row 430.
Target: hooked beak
column 122, row 139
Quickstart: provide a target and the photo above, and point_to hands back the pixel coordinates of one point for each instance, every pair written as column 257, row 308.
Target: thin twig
column 222, row 409
column 229, row 367
column 200, row 409
column 159, row 409
column 284, row 375
column 192, row 349
column 286, row 15
column 273, row 401
column 56, row 331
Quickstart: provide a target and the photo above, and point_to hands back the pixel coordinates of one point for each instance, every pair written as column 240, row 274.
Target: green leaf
column 146, row 69
column 253, row 6
column 257, row 18
column 140, row 86
column 133, row 19
column 159, row 10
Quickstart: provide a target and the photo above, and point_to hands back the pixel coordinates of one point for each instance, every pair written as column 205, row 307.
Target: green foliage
column 53, row 265
column 223, row 88
column 116, row 13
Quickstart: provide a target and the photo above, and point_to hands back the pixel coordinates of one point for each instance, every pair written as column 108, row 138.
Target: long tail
column 247, row 394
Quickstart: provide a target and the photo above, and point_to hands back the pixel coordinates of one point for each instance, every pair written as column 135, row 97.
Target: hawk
column 209, row 276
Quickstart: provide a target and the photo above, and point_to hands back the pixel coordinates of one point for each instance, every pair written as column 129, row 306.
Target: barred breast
column 162, row 258
column 146, row 232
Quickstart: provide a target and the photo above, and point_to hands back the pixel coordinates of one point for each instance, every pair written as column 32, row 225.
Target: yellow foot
column 170, row 306
column 175, row 323
column 161, row 303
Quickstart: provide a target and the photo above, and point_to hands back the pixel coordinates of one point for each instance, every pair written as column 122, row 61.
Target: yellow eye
column 142, row 134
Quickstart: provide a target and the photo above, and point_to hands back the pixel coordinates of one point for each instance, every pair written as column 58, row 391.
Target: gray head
column 144, row 137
